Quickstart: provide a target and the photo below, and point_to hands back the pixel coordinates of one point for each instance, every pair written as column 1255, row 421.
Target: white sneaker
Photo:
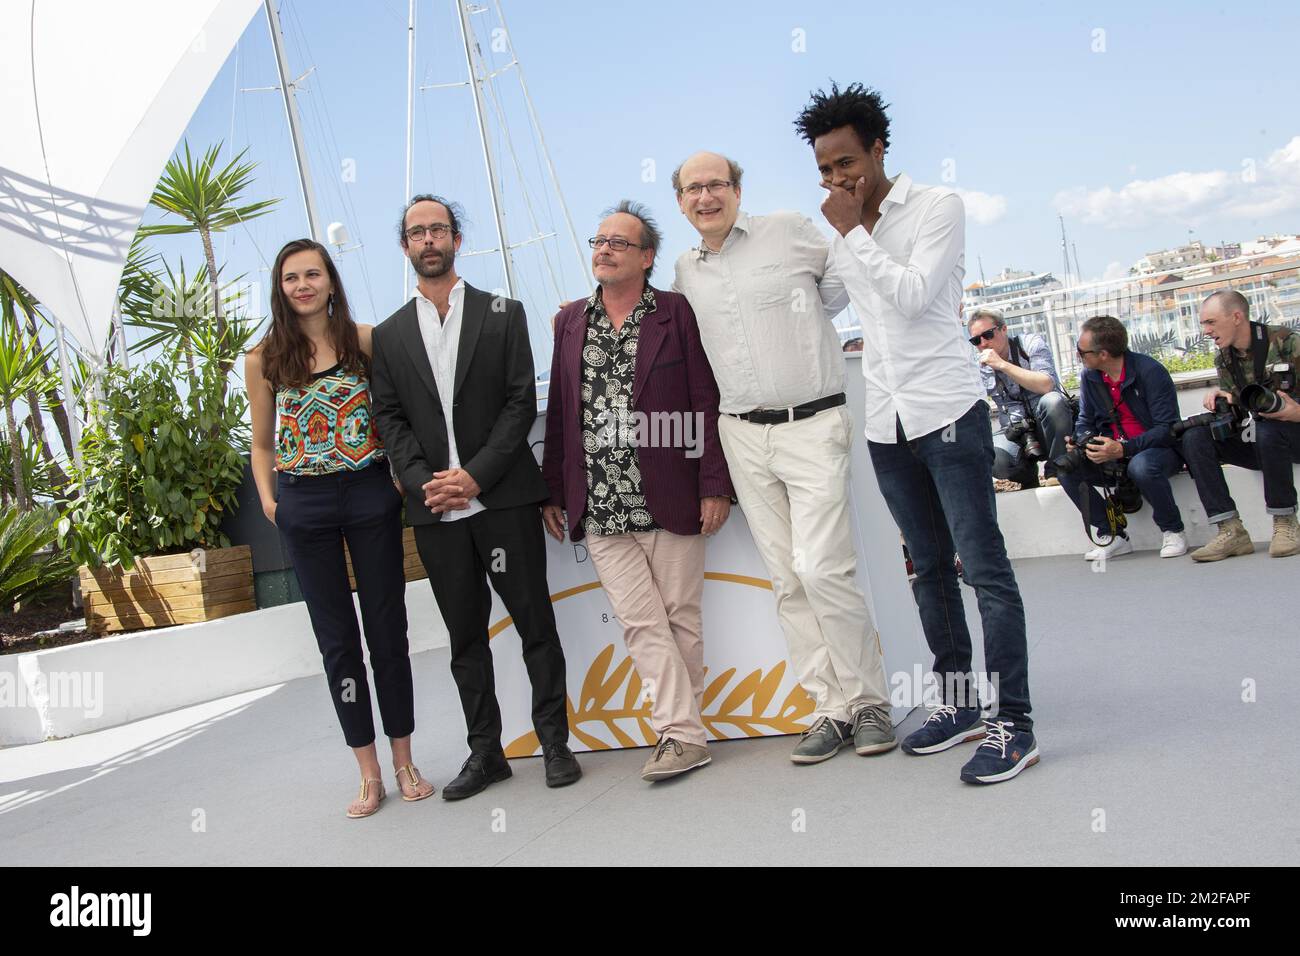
column 1174, row 545
column 1113, row 550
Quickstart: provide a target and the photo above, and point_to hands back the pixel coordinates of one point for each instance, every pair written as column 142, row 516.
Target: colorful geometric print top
column 325, row 426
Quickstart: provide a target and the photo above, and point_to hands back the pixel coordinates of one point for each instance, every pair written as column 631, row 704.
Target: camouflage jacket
column 1283, row 346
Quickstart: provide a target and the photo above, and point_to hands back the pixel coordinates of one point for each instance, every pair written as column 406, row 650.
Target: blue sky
column 1138, row 124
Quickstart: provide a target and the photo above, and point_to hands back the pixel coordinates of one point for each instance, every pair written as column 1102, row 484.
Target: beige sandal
column 361, row 807
column 413, row 774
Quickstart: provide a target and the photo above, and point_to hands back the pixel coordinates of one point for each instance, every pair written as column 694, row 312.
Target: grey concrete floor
column 1137, row 681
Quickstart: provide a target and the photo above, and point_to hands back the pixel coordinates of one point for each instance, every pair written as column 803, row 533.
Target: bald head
column 704, row 166
column 1225, row 319
column 708, row 194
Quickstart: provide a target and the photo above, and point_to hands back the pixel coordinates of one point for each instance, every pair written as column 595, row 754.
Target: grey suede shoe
column 873, row 730
column 822, row 741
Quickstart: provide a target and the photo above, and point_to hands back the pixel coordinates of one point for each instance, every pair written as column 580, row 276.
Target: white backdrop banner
column 749, row 688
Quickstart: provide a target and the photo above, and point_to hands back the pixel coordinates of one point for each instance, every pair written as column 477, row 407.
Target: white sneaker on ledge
column 1113, row 550
column 1174, row 545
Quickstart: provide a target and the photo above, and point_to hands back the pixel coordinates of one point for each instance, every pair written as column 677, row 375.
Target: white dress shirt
column 442, row 343
column 904, row 279
column 763, row 304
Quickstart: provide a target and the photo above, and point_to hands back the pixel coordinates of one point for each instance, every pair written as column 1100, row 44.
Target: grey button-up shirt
column 1012, row 400
column 764, row 305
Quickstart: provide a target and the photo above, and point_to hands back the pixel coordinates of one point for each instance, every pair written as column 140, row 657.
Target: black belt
column 775, row 416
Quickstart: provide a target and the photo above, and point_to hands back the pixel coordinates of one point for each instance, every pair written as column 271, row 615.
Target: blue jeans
column 1055, row 422
column 1275, row 449
column 1150, row 470
column 939, row 488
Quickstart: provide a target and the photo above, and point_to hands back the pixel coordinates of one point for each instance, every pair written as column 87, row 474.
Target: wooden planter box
column 411, row 566
column 175, row 589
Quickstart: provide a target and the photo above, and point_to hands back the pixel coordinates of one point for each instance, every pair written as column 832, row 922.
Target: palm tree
column 20, row 374
column 208, row 200
column 14, row 299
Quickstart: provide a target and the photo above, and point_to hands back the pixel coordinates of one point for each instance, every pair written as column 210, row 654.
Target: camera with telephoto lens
column 1257, row 398
column 1021, row 432
column 1224, row 422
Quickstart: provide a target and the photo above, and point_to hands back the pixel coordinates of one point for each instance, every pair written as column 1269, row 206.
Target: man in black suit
column 452, row 386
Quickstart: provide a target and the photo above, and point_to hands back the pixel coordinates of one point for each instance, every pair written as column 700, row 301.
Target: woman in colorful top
column 323, row 478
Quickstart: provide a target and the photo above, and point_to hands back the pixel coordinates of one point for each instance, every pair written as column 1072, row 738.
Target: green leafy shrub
column 160, row 470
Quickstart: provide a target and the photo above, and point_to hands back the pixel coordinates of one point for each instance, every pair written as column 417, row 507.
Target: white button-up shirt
column 763, row 304
column 904, row 279
column 442, row 343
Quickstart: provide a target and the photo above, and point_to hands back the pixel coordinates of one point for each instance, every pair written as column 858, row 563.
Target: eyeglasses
column 439, row 230
column 617, row 244
column 985, row 336
column 695, row 189
column 1083, row 352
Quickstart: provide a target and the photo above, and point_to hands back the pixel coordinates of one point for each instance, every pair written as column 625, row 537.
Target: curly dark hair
column 856, row 105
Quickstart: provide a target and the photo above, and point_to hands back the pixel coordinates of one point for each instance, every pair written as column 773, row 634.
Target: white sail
column 94, row 97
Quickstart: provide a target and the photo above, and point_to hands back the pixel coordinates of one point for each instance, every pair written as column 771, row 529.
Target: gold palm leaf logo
column 748, row 706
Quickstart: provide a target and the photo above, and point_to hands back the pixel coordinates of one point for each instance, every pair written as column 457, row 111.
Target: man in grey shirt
column 761, row 293
column 1020, row 376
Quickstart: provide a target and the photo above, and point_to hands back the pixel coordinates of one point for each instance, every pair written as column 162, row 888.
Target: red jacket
column 672, row 375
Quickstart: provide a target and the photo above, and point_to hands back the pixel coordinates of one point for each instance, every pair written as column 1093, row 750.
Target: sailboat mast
column 493, row 186
column 410, row 128
column 295, row 123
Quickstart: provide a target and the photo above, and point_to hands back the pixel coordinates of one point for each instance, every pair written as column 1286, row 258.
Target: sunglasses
column 984, row 337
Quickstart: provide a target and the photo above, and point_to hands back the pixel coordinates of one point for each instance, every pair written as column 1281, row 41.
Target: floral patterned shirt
column 615, row 501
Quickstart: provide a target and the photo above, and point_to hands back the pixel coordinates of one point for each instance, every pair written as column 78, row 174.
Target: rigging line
column 523, row 186
column 584, row 265
column 40, row 135
column 234, row 100
column 326, row 127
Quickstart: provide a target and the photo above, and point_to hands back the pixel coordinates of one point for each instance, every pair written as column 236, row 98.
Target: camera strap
column 1258, row 351
column 1112, row 413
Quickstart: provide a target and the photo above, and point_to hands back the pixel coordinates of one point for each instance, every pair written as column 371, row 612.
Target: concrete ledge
column 114, row 680
column 1043, row 522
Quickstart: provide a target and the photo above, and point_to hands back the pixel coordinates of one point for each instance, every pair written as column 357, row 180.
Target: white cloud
column 982, row 208
column 1253, row 190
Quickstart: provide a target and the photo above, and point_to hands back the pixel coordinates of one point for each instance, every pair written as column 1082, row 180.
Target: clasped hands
column 450, row 490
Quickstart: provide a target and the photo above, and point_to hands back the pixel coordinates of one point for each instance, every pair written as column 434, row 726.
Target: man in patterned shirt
column 632, row 454
column 1249, row 353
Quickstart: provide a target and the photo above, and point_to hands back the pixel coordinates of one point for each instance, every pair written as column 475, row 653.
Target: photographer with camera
column 1258, row 367
column 1021, row 379
column 1127, row 407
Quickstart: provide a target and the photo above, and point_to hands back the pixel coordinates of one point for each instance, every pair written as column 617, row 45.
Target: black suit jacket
column 494, row 404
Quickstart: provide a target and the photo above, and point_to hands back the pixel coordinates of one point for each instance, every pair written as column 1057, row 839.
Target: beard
column 433, row 268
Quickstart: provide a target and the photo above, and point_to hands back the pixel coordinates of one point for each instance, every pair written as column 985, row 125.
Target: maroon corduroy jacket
column 672, row 375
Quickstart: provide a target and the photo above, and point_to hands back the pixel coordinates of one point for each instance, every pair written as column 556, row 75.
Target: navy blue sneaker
column 946, row 727
column 1004, row 753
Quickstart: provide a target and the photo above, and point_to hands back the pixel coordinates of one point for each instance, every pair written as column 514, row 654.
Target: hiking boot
column 1286, row 537
column 1232, row 540
column 873, row 730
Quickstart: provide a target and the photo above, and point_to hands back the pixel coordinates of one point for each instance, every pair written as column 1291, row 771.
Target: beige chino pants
column 792, row 480
column 655, row 583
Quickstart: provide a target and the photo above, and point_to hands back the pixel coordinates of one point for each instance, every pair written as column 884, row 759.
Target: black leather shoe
column 561, row 766
column 475, row 775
